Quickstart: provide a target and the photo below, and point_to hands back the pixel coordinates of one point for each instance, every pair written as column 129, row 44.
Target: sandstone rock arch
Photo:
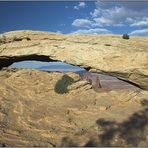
column 124, row 59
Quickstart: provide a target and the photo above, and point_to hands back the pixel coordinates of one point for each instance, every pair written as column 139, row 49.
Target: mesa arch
column 109, row 54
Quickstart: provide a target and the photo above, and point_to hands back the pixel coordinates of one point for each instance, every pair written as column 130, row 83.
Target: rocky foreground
column 39, row 108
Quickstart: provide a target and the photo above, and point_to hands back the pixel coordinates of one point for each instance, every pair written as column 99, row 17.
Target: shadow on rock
column 68, row 142
column 61, row 86
column 131, row 132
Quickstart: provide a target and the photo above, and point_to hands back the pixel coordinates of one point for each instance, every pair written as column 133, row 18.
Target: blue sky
column 76, row 17
column 48, row 66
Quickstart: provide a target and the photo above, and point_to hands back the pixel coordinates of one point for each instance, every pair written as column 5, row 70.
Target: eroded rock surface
column 125, row 59
column 40, row 108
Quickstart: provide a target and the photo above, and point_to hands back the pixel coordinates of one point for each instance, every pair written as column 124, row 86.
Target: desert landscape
column 66, row 109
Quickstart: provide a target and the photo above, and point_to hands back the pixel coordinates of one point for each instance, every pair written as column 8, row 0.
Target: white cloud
column 92, row 31
column 110, row 17
column 95, row 13
column 81, row 23
column 80, row 5
column 76, row 7
column 129, row 20
column 119, row 14
column 59, row 32
column 143, row 22
column 103, row 21
column 139, row 32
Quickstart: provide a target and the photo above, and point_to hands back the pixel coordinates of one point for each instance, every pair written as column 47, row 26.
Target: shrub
column 125, row 36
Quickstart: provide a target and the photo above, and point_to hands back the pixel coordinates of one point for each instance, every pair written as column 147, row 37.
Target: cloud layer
column 119, row 13
column 92, row 31
column 81, row 23
column 139, row 32
column 114, row 14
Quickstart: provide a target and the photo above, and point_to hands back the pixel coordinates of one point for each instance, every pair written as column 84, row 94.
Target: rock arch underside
column 39, row 108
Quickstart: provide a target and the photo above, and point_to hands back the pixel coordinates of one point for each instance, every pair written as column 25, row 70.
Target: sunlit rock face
column 125, row 59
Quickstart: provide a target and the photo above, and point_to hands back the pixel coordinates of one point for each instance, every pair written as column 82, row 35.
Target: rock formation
column 124, row 59
column 40, row 108
column 37, row 109
column 89, row 78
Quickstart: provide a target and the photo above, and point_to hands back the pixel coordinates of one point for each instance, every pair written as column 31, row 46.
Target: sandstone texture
column 124, row 59
column 39, row 108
